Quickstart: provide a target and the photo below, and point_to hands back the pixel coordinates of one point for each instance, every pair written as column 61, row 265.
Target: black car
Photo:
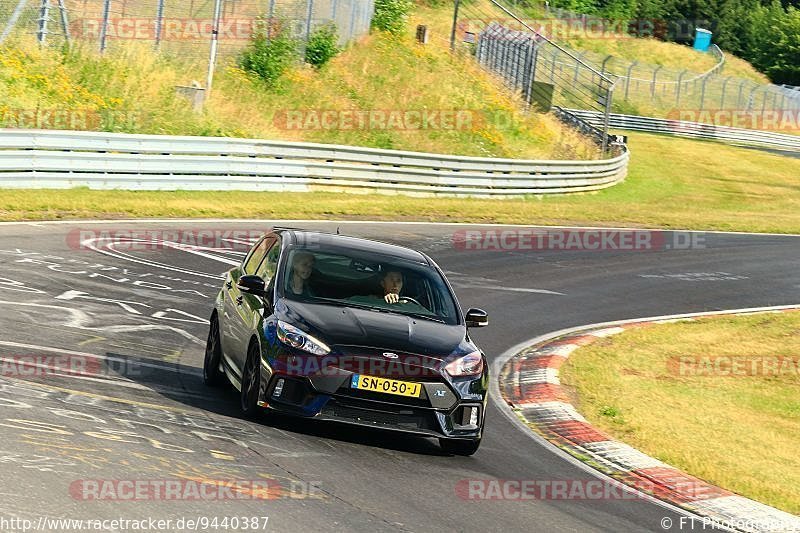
column 352, row 330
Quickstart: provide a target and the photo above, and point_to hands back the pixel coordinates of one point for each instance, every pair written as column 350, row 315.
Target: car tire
column 212, row 375
column 251, row 382
column 463, row 447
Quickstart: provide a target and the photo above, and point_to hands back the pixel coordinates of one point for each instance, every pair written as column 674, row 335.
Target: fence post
column 64, row 20
column 678, row 89
column 44, row 16
column 703, row 91
column 603, row 67
column 104, row 25
column 352, row 17
column 212, row 54
column 13, row 20
column 578, row 65
column 653, row 88
column 453, row 28
column 628, row 79
column 739, row 96
column 750, row 98
column 553, row 67
column 270, row 18
column 724, row 86
column 607, row 116
column 309, row 15
column 159, row 22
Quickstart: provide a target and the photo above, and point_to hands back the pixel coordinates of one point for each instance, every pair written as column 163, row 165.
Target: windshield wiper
column 345, row 303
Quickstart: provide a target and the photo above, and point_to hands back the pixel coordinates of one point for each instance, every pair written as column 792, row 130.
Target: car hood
column 350, row 326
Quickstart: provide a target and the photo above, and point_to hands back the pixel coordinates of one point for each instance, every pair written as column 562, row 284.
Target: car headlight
column 469, row 365
column 297, row 338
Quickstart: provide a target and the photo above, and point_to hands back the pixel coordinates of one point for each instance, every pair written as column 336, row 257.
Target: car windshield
column 377, row 282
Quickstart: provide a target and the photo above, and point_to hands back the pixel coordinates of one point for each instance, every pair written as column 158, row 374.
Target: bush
column 391, row 15
column 268, row 57
column 322, row 45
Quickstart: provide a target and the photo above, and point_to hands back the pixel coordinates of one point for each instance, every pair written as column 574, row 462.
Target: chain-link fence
column 518, row 56
column 182, row 27
column 655, row 90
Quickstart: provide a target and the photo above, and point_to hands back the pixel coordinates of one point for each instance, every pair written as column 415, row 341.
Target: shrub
column 391, row 15
column 268, row 57
column 322, row 45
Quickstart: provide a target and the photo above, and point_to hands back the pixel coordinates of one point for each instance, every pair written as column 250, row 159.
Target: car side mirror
column 252, row 285
column 477, row 318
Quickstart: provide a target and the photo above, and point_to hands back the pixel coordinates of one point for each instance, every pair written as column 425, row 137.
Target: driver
column 392, row 284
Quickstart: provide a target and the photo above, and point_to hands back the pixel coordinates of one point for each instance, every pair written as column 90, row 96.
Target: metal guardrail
column 65, row 159
column 739, row 136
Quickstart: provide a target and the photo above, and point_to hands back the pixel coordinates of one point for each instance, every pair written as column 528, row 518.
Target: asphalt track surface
column 144, row 414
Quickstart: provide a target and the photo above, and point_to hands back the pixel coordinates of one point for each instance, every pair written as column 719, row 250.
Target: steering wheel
column 410, row 299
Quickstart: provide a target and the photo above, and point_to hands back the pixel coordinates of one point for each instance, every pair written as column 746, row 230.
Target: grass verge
column 707, row 417
column 130, row 89
column 672, row 183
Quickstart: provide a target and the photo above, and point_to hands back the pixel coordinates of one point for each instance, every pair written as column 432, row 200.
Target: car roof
column 299, row 236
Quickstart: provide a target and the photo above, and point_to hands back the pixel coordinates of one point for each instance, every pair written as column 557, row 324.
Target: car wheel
column 460, row 446
column 212, row 375
column 251, row 381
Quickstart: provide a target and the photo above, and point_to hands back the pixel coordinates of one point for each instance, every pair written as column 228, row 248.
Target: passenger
column 302, row 267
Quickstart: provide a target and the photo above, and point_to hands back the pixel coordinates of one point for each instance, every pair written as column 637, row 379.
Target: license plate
column 388, row 386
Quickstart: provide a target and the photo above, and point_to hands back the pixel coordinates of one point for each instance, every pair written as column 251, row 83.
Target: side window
column 257, row 254
column 269, row 266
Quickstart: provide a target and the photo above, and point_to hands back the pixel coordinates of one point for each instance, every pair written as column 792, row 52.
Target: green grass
column 738, row 432
column 672, row 183
column 379, row 73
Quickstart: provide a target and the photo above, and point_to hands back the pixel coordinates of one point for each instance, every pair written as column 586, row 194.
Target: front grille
column 386, row 415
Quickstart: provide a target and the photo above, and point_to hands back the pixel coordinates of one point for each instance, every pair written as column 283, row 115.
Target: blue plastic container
column 702, row 39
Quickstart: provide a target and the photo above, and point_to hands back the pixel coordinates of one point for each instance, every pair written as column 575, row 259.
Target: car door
column 234, row 320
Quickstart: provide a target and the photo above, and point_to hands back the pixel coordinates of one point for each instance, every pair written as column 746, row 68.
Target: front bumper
column 440, row 412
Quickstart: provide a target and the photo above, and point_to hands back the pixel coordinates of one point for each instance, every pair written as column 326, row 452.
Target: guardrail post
column 628, row 79
column 653, row 88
